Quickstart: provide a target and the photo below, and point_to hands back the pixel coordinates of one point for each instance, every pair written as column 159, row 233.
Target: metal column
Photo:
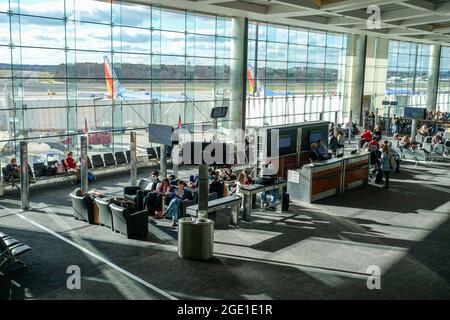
column 388, row 121
column 203, row 191
column 84, row 167
column 413, row 130
column 163, row 159
column 24, row 185
column 133, row 159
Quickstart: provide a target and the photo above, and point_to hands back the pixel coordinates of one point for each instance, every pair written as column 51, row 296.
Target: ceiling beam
column 281, row 10
column 315, row 19
column 244, row 6
column 424, row 20
column 418, row 4
column 347, row 5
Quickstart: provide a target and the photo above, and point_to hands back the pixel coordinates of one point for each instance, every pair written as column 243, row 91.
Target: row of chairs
column 10, row 248
column 118, row 219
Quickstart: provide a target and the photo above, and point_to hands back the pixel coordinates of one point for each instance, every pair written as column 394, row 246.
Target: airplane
column 115, row 90
column 261, row 91
column 402, row 92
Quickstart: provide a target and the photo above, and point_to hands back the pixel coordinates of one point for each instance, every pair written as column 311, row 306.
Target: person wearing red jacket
column 71, row 165
column 366, row 136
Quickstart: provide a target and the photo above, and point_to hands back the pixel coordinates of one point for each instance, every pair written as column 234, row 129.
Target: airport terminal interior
column 224, row 149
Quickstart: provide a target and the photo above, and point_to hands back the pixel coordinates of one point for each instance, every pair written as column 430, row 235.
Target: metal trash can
column 195, row 238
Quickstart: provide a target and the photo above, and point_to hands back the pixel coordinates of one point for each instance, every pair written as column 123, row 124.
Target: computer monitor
column 314, row 136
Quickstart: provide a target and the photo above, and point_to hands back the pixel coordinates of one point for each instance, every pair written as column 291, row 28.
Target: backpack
column 91, row 176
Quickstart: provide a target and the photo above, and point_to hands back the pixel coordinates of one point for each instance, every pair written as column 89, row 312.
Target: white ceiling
column 425, row 21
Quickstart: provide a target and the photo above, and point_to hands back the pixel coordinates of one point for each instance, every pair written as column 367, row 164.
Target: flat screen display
column 285, row 142
column 161, row 134
column 414, row 113
column 314, row 136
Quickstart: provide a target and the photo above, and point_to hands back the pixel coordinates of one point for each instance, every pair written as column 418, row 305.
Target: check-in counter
column 325, row 178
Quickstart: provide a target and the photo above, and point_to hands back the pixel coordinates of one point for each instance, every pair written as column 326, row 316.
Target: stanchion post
column 24, row 178
column 203, row 191
column 84, row 166
column 163, row 161
column 133, row 159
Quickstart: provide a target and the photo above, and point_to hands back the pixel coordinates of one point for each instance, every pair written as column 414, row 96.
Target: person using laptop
column 177, row 196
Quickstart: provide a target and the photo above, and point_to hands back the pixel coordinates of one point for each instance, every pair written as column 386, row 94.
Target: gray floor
column 319, row 251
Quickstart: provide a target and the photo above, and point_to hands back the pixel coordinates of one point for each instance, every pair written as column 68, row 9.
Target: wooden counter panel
column 356, row 175
column 326, row 184
column 332, row 171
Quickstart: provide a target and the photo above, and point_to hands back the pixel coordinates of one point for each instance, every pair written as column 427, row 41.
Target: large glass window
column 69, row 66
column 294, row 74
column 443, row 98
column 407, row 73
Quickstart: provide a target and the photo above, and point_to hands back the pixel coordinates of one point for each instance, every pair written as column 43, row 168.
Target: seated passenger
column 173, row 180
column 405, row 143
column 153, row 200
column 437, row 139
column 12, row 173
column 313, row 154
column 424, row 131
column 154, row 181
column 71, row 165
column 366, row 137
column 215, row 185
column 322, row 150
column 268, row 176
column 178, row 195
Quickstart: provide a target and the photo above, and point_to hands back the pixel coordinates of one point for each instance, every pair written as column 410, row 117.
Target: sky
column 50, row 31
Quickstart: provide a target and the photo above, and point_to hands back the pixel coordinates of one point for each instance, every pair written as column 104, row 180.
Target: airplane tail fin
column 113, row 85
column 260, row 90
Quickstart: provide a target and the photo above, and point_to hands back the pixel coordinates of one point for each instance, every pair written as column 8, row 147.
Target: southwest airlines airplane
column 115, row 90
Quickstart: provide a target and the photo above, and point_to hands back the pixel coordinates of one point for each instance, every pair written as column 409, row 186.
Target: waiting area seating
column 10, row 249
column 106, row 212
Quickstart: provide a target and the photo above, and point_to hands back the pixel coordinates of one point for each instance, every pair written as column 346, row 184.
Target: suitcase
column 285, row 202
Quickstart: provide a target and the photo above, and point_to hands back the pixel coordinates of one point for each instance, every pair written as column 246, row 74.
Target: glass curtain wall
column 443, row 98
column 294, row 74
column 68, row 67
column 407, row 74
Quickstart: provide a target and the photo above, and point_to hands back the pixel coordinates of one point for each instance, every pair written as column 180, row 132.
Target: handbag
column 60, row 168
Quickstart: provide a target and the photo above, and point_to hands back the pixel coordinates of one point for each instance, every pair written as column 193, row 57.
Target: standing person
column 71, row 164
column 386, row 164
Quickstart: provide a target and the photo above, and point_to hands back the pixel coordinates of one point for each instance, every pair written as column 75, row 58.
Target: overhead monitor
column 414, row 113
column 219, row 112
column 161, row 134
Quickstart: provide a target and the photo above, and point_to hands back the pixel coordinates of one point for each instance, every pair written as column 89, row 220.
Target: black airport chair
column 39, row 169
column 97, row 161
column 128, row 156
column 120, row 158
column 129, row 223
column 10, row 248
column 51, row 167
column 109, row 160
column 152, row 156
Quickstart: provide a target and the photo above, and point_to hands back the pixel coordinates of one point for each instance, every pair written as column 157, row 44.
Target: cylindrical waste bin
column 195, row 238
